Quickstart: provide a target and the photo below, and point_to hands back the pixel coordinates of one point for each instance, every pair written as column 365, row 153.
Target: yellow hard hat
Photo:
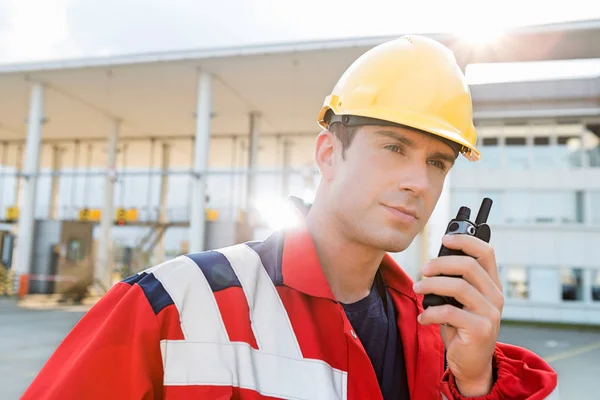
column 411, row 81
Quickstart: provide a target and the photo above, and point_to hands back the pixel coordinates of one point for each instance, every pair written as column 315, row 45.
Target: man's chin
column 396, row 244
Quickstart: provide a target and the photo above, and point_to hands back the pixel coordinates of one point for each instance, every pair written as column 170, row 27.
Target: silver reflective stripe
column 207, row 357
column 270, row 323
column 239, row 365
column 190, row 291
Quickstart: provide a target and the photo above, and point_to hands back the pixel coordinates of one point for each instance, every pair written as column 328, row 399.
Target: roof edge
column 262, row 49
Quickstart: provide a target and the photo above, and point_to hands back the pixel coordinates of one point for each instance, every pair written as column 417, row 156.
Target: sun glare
column 278, row 213
column 480, row 34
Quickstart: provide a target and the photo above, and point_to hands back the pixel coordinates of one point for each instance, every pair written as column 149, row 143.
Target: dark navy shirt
column 369, row 319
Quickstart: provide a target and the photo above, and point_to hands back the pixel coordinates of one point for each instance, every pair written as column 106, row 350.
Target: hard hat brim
column 405, row 119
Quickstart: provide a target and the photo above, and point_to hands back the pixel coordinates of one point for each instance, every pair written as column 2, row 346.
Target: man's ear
column 324, row 153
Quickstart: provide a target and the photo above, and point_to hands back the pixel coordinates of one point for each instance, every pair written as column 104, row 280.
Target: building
column 170, row 135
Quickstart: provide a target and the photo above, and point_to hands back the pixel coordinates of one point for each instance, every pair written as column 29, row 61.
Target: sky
column 32, row 30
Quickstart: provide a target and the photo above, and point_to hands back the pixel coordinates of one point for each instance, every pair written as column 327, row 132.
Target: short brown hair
column 345, row 134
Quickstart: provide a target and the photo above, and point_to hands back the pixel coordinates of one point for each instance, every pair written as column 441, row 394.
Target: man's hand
column 469, row 334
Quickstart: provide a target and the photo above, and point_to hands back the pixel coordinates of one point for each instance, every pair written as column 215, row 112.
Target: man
column 322, row 311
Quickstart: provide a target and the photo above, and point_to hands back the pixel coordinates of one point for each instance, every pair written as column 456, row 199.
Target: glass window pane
column 596, row 285
column 595, row 207
column 516, row 153
column 516, row 282
column 543, row 153
column 572, row 284
column 464, row 197
column 567, row 152
column 553, row 207
column 490, row 153
column 516, row 204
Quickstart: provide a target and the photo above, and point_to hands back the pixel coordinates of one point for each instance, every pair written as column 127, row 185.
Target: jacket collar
column 302, row 270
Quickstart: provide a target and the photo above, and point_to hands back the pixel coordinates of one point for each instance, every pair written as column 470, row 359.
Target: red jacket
column 255, row 320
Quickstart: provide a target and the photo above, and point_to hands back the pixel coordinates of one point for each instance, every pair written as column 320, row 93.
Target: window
column 579, row 207
column 555, row 207
column 516, row 207
column 490, row 153
column 543, row 152
column 595, row 207
column 465, row 197
column 596, row 285
column 591, row 140
column 567, row 152
column 594, row 156
column 74, row 250
column 517, row 282
column 572, row 284
column 516, row 153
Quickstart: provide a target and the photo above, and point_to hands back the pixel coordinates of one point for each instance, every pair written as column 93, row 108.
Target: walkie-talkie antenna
column 484, row 211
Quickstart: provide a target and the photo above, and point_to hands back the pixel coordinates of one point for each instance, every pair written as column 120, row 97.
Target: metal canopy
column 155, row 94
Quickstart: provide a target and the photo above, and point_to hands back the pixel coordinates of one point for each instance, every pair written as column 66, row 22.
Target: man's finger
column 470, row 270
column 457, row 318
column 483, row 252
column 458, row 288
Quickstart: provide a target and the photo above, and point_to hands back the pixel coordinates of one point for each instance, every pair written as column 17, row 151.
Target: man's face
column 386, row 188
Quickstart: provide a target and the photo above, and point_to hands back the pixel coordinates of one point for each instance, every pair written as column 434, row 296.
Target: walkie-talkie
column 462, row 226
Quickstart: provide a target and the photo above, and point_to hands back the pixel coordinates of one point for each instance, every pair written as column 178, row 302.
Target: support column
column 285, row 187
column 252, row 163
column 18, row 180
column 201, row 148
column 53, row 209
column 30, row 171
column 102, row 275
column 3, row 167
column 159, row 252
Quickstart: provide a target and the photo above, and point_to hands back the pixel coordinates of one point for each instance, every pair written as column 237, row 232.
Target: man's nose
column 415, row 179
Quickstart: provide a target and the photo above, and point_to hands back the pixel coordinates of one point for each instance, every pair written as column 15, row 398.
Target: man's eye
column 438, row 164
column 395, row 148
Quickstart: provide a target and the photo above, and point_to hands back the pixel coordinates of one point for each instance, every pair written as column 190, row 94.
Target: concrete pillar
column 233, row 177
column 201, row 149
column 54, row 191
column 252, row 163
column 3, row 167
column 102, row 275
column 30, row 171
column 287, row 147
column 18, row 179
column 159, row 252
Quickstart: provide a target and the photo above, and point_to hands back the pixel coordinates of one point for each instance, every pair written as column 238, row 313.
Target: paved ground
column 28, row 337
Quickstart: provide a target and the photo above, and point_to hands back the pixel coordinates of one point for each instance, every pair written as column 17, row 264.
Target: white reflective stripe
column 269, row 320
column 190, row 291
column 239, row 365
